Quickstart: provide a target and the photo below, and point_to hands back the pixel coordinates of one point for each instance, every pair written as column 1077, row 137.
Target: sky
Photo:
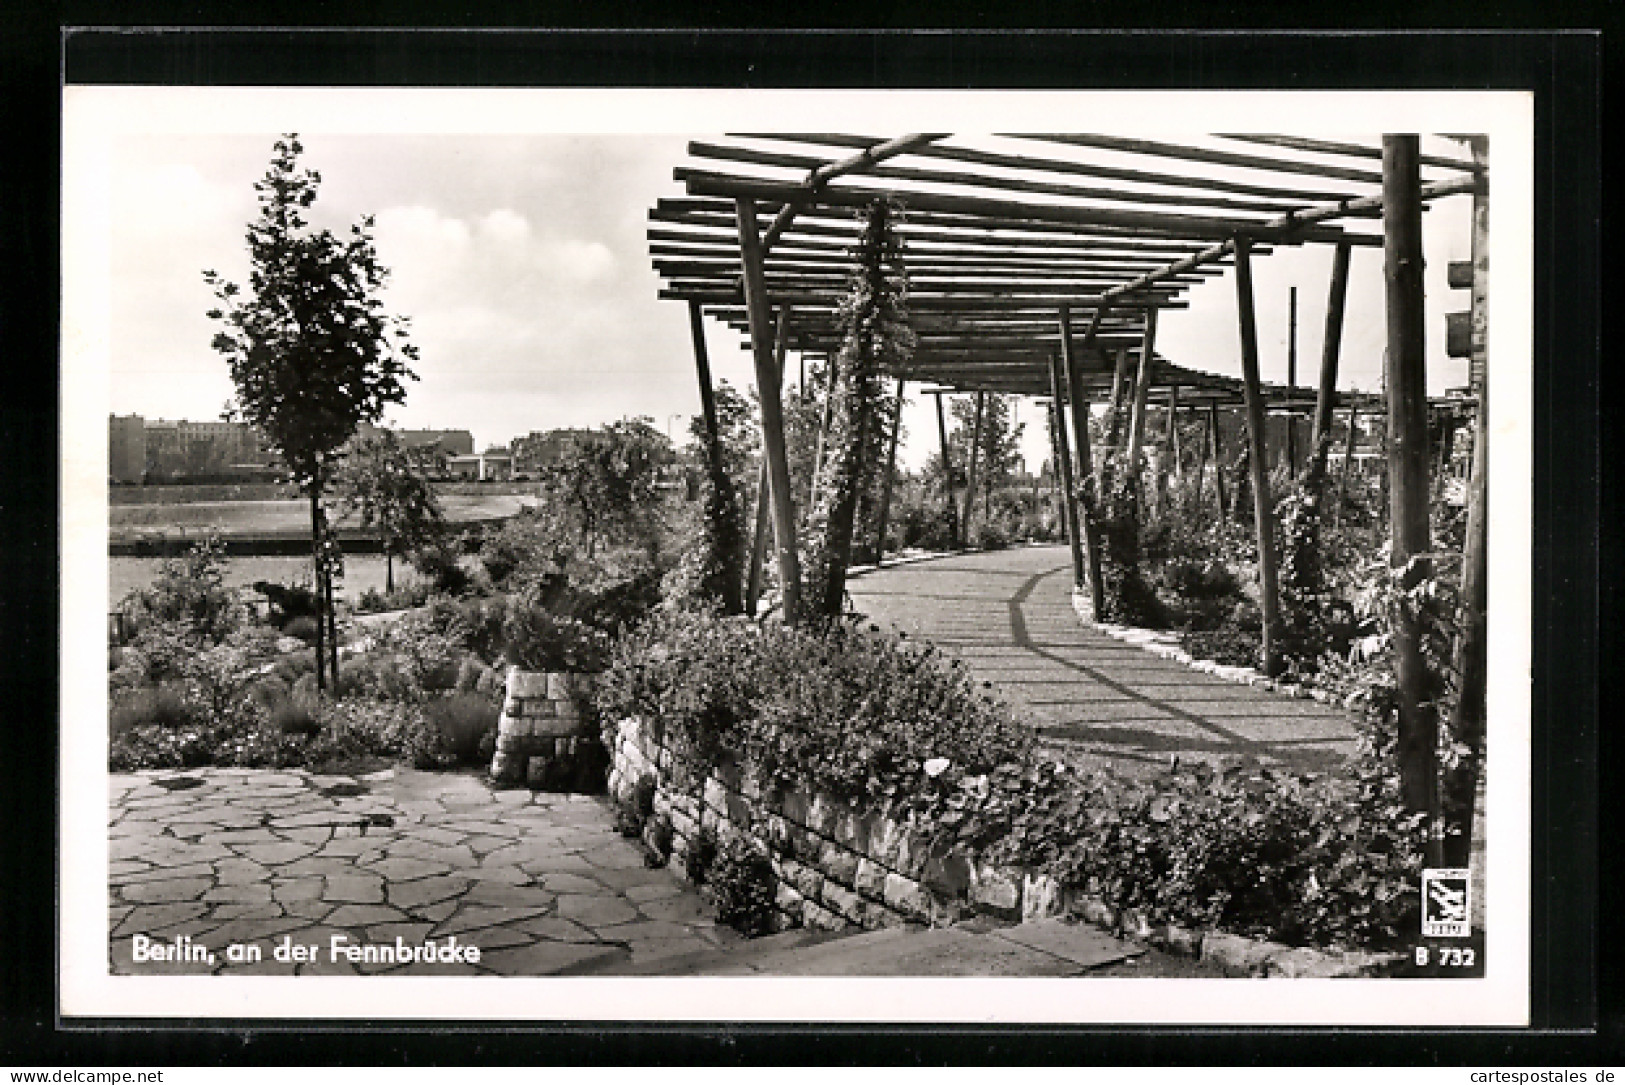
column 521, row 261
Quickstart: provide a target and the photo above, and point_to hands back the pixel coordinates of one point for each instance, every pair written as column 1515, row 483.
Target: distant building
column 161, row 450
column 492, row 466
column 126, row 448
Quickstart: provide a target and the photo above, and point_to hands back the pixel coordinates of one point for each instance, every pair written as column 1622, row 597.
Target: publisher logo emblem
column 1446, row 896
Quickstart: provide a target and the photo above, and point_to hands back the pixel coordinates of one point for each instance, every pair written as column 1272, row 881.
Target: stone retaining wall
column 839, row 866
column 540, row 722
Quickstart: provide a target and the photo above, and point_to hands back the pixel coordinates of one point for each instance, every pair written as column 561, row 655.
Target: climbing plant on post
column 875, row 336
column 311, row 350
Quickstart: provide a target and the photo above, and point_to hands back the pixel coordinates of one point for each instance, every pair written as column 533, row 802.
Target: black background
column 1575, row 454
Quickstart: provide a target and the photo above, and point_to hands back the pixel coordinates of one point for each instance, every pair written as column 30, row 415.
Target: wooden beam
column 1406, row 371
column 1356, row 150
column 1268, row 592
column 1019, row 183
column 708, row 183
column 1331, row 348
column 1218, row 461
column 1213, row 157
column 767, row 382
column 828, row 171
column 1063, row 461
column 1069, row 166
column 1080, row 437
column 1142, row 388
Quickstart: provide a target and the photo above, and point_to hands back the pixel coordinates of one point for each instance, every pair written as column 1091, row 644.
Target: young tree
column 388, row 484
column 311, row 350
column 873, row 318
column 607, row 482
column 1000, row 448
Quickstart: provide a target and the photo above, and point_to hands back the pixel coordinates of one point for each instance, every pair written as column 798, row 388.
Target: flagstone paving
column 1008, row 614
column 541, row 883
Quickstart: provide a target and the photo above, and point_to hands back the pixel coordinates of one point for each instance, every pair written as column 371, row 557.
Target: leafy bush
column 465, row 724
column 303, row 627
column 441, row 565
column 848, row 710
column 475, row 624
column 190, row 591
column 990, row 536
column 405, row 597
column 536, row 639
column 160, row 706
column 1306, row 860
column 293, row 717
column 702, row 852
column 743, row 887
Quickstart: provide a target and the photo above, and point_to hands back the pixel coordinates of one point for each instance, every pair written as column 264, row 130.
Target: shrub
column 475, row 624
column 990, row 536
column 442, row 567
column 535, row 639
column 161, row 706
column 296, row 717
column 702, row 852
column 744, row 887
column 845, row 709
column 303, row 627
column 190, row 590
column 462, row 722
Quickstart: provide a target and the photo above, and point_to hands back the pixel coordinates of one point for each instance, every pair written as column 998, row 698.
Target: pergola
column 1038, row 264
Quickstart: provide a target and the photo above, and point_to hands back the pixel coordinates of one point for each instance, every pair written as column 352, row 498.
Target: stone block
column 996, row 890
column 817, row 917
column 852, row 829
column 843, row 902
column 1236, row 955
column 821, row 815
column 1095, row 911
column 1180, row 941
column 885, row 837
column 870, row 879
column 913, row 853
column 557, row 687
column 1040, row 897
column 716, row 796
column 906, row 897
column 523, row 684
column 808, row 881
column 838, row 864
column 789, row 901
column 877, row 916
column 793, row 805
column 1134, row 924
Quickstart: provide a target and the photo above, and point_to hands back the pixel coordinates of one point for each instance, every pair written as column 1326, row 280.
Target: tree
column 873, row 320
column 388, row 485
column 1000, row 447
column 606, row 481
column 311, row 350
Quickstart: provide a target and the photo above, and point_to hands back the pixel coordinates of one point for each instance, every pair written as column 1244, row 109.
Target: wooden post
column 948, row 477
column 1119, row 390
column 975, row 453
column 767, row 381
column 1055, row 463
column 1292, row 381
column 764, row 501
column 1408, row 461
column 886, row 480
column 731, row 554
column 1073, row 363
column 1142, row 385
column 1201, row 467
column 1218, row 461
column 1331, row 349
column 1063, row 458
column 1268, row 597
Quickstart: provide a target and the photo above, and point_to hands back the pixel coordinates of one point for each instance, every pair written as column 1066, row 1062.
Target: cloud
column 505, row 227
column 581, row 262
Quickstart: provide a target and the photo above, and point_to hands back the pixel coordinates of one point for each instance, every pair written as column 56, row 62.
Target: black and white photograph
column 690, row 555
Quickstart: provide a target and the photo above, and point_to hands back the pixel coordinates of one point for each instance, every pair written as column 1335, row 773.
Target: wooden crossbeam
column 1355, row 150
column 1001, row 183
column 1186, row 153
column 709, row 183
column 1075, row 168
column 825, row 172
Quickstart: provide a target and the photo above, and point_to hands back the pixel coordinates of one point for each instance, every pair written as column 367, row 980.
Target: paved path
column 542, row 883
column 1009, row 615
